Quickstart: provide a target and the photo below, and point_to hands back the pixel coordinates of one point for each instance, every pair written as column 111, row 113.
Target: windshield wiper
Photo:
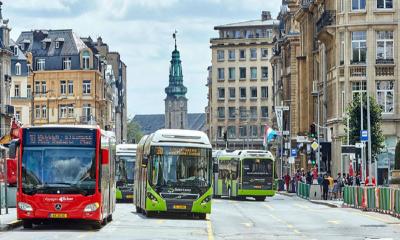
column 69, row 186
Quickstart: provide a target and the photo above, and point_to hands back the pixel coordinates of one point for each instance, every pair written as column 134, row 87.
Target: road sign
column 291, row 160
column 279, row 114
column 286, row 133
column 314, row 146
column 293, row 152
column 359, row 145
column 364, row 135
column 283, row 108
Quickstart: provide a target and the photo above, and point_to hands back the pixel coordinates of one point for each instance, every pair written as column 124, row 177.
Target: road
column 280, row 217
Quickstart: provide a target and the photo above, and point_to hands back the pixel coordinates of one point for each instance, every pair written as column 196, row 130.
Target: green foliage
column 134, row 131
column 397, row 157
column 354, row 112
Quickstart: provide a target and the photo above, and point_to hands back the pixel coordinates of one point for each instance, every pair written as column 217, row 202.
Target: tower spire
column 1, row 15
column 174, row 36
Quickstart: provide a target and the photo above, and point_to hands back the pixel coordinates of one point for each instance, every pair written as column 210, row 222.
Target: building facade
column 240, row 83
column 176, row 116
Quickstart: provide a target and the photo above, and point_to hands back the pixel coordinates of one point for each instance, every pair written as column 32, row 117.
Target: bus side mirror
column 215, row 167
column 12, row 150
column 145, row 161
column 104, row 156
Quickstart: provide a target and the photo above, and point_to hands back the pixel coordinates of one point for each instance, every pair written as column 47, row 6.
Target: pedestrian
column 309, row 178
column 330, row 179
column 325, row 187
column 358, row 179
column 287, row 181
column 336, row 189
column 340, row 183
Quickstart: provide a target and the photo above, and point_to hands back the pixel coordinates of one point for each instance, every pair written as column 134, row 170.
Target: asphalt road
column 280, row 217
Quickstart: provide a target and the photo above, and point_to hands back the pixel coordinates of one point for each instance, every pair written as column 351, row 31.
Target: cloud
column 141, row 30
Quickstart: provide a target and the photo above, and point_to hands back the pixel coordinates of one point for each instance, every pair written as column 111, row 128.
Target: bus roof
column 181, row 136
column 126, row 149
column 64, row 126
column 247, row 154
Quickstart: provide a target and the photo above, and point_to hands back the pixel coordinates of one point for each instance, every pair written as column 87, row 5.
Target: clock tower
column 176, row 101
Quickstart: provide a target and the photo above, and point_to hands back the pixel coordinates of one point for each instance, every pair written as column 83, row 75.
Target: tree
column 134, row 131
column 353, row 113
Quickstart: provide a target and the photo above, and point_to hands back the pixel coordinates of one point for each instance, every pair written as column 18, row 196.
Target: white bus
column 174, row 173
column 126, row 158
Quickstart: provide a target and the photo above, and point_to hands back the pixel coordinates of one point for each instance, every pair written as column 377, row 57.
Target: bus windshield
column 59, row 170
column 126, row 168
column 180, row 166
column 257, row 167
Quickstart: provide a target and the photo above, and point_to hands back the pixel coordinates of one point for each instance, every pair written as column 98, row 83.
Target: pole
column 362, row 128
column 318, row 152
column 369, row 136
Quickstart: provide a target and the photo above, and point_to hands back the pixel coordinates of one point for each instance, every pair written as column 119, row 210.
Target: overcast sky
column 141, row 31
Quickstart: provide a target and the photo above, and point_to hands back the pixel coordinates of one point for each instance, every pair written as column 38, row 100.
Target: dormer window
column 22, row 47
column 15, row 50
column 85, row 60
column 57, row 44
column 44, row 45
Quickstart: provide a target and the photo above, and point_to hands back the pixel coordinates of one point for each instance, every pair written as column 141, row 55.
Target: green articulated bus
column 244, row 173
column 173, row 173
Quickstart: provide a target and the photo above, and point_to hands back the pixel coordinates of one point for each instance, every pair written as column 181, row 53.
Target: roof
column 64, row 126
column 180, row 135
column 251, row 23
column 150, row 123
column 20, row 56
column 71, row 45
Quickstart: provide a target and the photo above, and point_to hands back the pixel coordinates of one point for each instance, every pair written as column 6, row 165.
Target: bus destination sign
column 48, row 138
column 179, row 151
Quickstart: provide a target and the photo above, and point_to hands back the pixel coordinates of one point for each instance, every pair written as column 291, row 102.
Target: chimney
column 99, row 41
column 266, row 15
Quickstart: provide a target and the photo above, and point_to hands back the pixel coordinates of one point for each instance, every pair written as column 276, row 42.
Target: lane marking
column 296, row 231
column 248, row 224
column 289, row 225
column 336, row 222
column 268, row 206
column 160, row 221
column 301, row 206
column 209, row 229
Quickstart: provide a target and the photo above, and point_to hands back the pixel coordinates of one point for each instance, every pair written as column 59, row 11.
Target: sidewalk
column 9, row 221
column 288, row 194
column 329, row 203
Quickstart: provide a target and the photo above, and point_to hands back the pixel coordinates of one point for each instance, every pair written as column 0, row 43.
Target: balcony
column 358, row 71
column 87, row 120
column 7, row 110
column 382, row 71
column 327, row 18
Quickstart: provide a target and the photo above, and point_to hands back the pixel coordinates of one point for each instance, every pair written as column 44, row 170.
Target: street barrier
column 303, row 190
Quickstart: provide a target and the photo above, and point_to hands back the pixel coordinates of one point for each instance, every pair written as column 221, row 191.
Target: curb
column 10, row 226
column 286, row 194
column 332, row 205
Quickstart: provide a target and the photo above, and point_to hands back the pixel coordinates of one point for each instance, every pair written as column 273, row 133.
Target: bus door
column 224, row 177
column 234, row 176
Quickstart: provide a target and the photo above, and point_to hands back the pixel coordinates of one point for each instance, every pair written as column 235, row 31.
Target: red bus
column 65, row 173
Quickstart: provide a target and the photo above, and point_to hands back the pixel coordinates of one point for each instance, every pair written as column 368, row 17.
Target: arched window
column 18, row 69
column 85, row 59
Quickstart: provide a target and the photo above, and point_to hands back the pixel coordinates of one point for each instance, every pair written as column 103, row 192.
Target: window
column 86, row 86
column 221, row 73
column 220, row 55
column 63, row 111
column 40, row 64
column 384, row 3
column 16, row 90
column 37, row 87
column 264, row 112
column 262, row 130
column 221, row 112
column 37, row 111
column 18, row 115
column 231, row 112
column 253, row 92
column 232, row 93
column 343, row 103
column 231, row 54
column 63, row 87
column 15, row 50
column 221, row 93
column 253, row 112
column 358, row 87
column 70, row 87
column 253, row 73
column 231, row 131
column 44, row 45
column 341, row 5
column 358, row 4
column 70, row 111
column 243, row 112
column 242, row 92
column 264, row 73
column 242, row 72
column 67, row 63
column 18, row 69
column 232, row 74
column 385, row 93
column 341, row 53
column 220, row 131
column 243, row 131
column 44, row 89
column 359, row 47
column 44, row 111
column 28, row 91
column 86, row 112
column 57, row 44
column 85, row 60
column 264, row 53
column 384, row 46
column 268, row 33
column 253, row 53
column 264, row 92
column 242, row 54
column 253, row 131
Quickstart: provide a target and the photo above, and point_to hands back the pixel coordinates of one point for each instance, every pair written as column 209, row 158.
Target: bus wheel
column 138, row 209
column 97, row 225
column 202, row 216
column 27, row 224
column 260, row 199
column 150, row 214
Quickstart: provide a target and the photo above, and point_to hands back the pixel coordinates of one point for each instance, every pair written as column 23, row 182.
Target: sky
column 141, row 31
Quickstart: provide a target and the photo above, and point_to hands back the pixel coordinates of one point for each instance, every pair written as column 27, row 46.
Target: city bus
column 65, row 173
column 245, row 173
column 125, row 167
column 173, row 173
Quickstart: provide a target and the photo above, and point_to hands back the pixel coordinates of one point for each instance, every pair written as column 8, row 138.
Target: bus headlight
column 152, row 197
column 91, row 207
column 206, row 200
column 25, row 207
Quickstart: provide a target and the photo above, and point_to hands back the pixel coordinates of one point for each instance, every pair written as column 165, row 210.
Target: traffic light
column 312, row 133
column 312, row 158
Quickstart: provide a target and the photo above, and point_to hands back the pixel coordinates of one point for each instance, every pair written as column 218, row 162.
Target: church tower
column 176, row 101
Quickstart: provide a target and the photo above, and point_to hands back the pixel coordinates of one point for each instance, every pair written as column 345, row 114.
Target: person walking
column 325, row 187
column 340, row 183
column 287, row 181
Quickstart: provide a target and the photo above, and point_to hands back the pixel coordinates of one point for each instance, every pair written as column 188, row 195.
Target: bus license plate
column 258, row 187
column 129, row 196
column 58, row 215
column 179, row 206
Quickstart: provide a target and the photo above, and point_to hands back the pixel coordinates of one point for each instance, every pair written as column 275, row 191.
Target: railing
column 87, row 119
column 358, row 71
column 384, row 70
column 384, row 61
column 303, row 190
column 6, row 109
column 327, row 18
